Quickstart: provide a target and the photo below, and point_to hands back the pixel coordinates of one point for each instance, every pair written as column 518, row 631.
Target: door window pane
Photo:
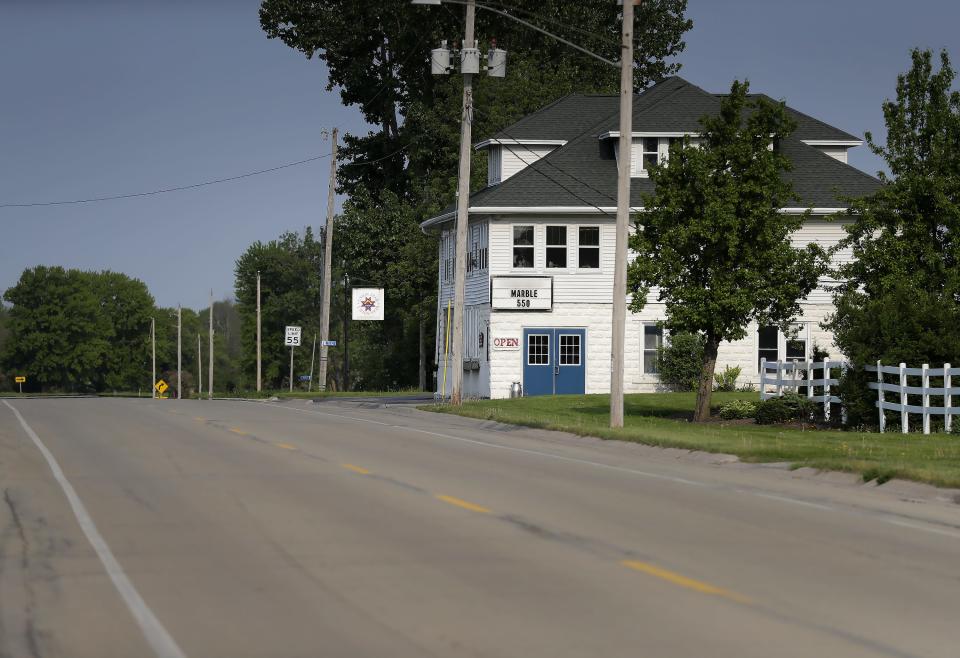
column 652, row 340
column 556, row 246
column 569, row 349
column 589, row 247
column 538, row 349
column 523, row 246
column 767, row 342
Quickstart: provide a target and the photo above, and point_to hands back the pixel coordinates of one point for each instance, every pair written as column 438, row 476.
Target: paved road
column 242, row 529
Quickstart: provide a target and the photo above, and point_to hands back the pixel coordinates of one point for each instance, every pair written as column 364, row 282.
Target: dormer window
column 650, row 155
column 649, row 149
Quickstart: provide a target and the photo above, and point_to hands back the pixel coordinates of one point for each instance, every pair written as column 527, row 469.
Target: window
column 538, row 349
column 797, row 347
column 589, row 247
column 652, row 342
column 569, row 349
column 767, row 344
column 523, row 246
column 556, row 246
column 651, row 152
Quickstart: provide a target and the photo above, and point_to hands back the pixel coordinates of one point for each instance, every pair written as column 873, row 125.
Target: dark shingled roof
column 584, row 171
column 564, row 118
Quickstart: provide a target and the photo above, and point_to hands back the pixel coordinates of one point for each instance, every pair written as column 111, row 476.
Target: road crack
column 29, row 607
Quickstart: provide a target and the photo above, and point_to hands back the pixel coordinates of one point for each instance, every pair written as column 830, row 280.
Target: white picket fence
column 787, row 377
column 945, row 389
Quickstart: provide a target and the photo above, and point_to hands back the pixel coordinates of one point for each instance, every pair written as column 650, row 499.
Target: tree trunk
column 423, row 356
column 705, row 388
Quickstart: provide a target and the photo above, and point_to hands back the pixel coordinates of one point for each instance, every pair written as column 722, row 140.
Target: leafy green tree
column 126, row 305
column 900, row 301
column 375, row 55
column 713, row 240
column 290, row 274
column 58, row 335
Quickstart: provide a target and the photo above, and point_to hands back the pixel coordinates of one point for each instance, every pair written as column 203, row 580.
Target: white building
column 541, row 245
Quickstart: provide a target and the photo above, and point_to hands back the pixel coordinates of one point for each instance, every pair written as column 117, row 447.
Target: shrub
column 783, row 409
column 772, row 411
column 727, row 380
column 738, row 409
column 681, row 361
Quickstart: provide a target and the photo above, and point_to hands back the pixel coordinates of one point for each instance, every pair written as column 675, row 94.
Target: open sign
column 506, row 343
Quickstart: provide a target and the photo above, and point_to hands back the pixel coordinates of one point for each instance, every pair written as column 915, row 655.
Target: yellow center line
column 286, row 446
column 463, row 503
column 356, row 469
column 237, row 431
column 683, row 581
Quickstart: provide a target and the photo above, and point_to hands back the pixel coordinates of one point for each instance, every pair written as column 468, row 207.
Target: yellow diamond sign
column 161, row 387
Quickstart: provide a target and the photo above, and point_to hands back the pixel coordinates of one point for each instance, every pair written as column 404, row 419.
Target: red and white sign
column 505, row 343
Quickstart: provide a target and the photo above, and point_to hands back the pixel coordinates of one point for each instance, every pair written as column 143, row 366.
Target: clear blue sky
column 103, row 97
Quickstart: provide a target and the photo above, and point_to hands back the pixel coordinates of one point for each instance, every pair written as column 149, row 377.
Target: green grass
column 658, row 419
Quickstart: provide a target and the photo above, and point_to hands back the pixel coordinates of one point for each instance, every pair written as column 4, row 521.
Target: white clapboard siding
column 477, row 283
column 515, row 157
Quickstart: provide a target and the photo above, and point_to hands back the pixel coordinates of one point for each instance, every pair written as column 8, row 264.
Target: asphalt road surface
column 227, row 529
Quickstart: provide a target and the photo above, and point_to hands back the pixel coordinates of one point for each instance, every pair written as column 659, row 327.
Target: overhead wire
column 217, row 181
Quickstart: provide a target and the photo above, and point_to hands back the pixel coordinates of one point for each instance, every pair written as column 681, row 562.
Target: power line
column 192, row 186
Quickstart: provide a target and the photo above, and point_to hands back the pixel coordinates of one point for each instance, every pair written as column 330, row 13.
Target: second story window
column 556, row 246
column 651, row 152
column 589, row 256
column 522, row 246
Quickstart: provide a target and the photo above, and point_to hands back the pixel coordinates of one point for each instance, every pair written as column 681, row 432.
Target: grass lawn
column 655, row 419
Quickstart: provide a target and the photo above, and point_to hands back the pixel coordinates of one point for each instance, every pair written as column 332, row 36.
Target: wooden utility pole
column 259, row 370
column 210, row 356
column 618, row 337
column 153, row 349
column 463, row 204
column 327, row 268
column 199, row 370
column 179, row 350
column 313, row 358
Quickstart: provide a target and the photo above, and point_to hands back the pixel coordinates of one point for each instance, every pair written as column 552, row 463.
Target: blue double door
column 554, row 361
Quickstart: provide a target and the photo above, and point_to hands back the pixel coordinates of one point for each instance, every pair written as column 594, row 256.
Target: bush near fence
column 787, row 377
column 927, row 392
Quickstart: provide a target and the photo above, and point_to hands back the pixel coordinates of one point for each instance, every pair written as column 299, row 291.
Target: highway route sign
column 292, row 337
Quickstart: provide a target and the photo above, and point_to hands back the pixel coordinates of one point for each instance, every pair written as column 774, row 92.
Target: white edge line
column 162, row 643
column 622, row 469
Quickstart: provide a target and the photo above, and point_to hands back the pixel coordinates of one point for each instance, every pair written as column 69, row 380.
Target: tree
column 713, row 239
column 900, row 301
column 126, row 306
column 374, row 53
column 58, row 334
column 290, row 270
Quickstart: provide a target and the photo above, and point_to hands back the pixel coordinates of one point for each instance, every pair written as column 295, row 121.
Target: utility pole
column 346, row 329
column 259, row 370
column 210, row 356
column 618, row 337
column 468, row 53
column 199, row 370
column 313, row 357
column 179, row 350
column 327, row 258
column 153, row 343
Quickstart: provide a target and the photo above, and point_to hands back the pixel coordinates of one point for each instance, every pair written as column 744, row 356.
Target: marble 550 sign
column 522, row 293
